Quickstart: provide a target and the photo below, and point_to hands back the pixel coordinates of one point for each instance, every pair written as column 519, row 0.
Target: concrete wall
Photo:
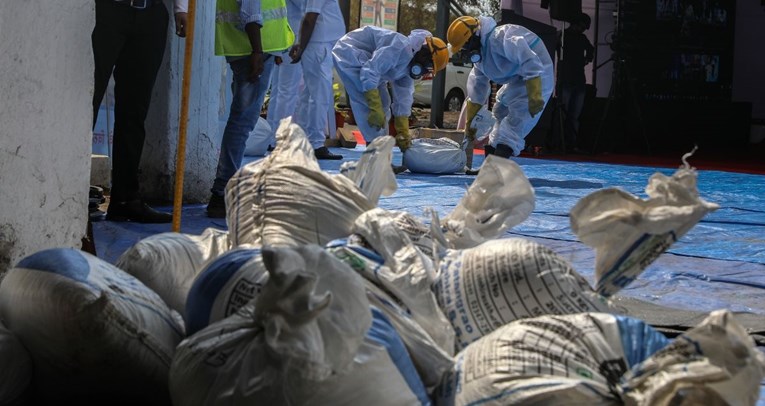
column 203, row 140
column 46, row 83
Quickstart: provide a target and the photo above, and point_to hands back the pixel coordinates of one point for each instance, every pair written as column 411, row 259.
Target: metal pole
column 180, row 160
column 439, row 82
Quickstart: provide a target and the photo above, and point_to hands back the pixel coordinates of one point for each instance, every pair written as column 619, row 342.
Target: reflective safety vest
column 230, row 38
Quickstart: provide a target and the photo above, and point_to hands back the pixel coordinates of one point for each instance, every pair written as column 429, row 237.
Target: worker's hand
column 256, row 66
column 472, row 110
column 403, row 139
column 376, row 117
column 180, row 24
column 278, row 60
column 296, row 52
column 534, row 90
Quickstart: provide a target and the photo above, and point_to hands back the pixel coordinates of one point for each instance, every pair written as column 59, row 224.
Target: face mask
column 472, row 50
column 421, row 64
column 416, row 71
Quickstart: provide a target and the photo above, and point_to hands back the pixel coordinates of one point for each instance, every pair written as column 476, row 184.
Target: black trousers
column 130, row 43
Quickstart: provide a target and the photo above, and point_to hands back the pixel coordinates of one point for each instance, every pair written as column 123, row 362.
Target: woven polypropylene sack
column 168, row 262
column 94, row 332
column 483, row 288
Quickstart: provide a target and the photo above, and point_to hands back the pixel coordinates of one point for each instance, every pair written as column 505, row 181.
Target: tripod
column 622, row 82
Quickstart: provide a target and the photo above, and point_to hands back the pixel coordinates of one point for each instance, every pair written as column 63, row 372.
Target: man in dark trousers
column 129, row 41
column 575, row 52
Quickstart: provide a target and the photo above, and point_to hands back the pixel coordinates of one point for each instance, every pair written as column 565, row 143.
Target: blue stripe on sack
column 383, row 333
column 208, row 285
column 639, row 340
column 66, row 262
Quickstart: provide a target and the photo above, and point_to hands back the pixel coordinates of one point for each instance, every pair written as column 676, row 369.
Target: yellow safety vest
column 230, row 38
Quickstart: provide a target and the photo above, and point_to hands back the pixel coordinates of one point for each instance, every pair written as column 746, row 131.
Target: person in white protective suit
column 286, row 78
column 369, row 59
column 514, row 57
column 320, row 28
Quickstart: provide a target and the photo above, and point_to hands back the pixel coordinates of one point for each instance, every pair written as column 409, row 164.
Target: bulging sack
column 94, row 332
column 224, row 286
column 286, row 199
column 629, row 233
column 308, row 338
column 574, row 359
column 16, row 371
column 483, row 288
column 168, row 262
column 436, row 156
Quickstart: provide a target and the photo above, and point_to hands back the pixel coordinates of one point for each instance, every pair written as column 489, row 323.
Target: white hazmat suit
column 286, row 78
column 372, row 57
column 510, row 55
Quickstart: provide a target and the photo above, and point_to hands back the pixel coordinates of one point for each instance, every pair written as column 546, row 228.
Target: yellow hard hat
column 439, row 51
column 460, row 31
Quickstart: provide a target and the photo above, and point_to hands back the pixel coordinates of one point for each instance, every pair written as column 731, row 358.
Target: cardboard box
column 345, row 136
column 454, row 135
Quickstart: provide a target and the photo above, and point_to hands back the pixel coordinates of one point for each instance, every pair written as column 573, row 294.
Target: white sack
column 303, row 341
column 224, row 286
column 168, row 262
column 372, row 173
column 261, row 137
column 430, row 359
column 437, row 156
column 16, row 370
column 286, row 199
column 713, row 363
column 483, row 288
column 629, row 233
column 408, row 273
column 499, row 198
column 94, row 332
column 550, row 360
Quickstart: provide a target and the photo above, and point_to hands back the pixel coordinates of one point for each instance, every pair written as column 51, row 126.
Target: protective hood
column 417, row 39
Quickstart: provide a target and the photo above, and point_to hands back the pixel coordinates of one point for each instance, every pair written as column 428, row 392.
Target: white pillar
column 46, row 83
column 203, row 139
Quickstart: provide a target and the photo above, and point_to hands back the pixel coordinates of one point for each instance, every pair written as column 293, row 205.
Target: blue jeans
column 246, row 102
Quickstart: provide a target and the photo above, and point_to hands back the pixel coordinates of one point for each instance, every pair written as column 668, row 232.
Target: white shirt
column 330, row 25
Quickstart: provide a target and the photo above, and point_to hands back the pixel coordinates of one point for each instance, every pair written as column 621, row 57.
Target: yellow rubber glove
column 534, row 90
column 403, row 139
column 376, row 116
column 472, row 111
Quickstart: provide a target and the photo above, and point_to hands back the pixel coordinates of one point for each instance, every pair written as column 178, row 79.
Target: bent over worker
column 368, row 59
column 514, row 57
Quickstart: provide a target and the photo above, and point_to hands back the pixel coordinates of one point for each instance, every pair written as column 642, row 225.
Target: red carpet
column 751, row 160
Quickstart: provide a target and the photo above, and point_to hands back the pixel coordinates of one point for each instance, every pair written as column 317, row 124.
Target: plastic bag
column 372, row 173
column 499, row 198
column 629, row 233
column 260, row 138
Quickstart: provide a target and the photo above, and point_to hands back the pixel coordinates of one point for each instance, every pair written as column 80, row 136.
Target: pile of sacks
column 317, row 297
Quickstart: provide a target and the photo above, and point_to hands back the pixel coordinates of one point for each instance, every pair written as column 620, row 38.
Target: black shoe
column 488, row 150
column 504, row 151
column 323, row 153
column 136, row 211
column 398, row 169
column 472, row 172
column 217, row 207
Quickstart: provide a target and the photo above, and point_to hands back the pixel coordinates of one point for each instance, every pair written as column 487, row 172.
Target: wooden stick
column 180, row 160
